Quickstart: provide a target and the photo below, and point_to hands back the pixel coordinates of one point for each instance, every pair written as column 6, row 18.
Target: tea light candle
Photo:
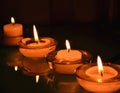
column 68, row 54
column 99, row 78
column 104, row 75
column 67, row 59
column 13, row 29
column 37, row 47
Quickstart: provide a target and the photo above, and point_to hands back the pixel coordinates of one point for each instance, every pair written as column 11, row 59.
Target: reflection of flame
column 12, row 20
column 99, row 80
column 37, row 78
column 16, row 68
column 100, row 66
column 50, row 65
column 68, row 45
column 36, row 38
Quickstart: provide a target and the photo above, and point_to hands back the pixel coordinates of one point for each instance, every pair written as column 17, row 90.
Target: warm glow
column 50, row 65
column 100, row 66
column 68, row 45
column 37, row 78
column 12, row 20
column 16, row 68
column 36, row 38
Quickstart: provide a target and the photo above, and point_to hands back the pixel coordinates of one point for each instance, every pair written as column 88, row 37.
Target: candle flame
column 16, row 68
column 36, row 38
column 12, row 20
column 100, row 66
column 68, row 46
column 37, row 78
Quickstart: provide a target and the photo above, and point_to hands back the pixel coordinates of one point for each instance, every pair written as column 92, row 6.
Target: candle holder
column 28, row 49
column 67, row 67
column 109, row 83
column 35, row 66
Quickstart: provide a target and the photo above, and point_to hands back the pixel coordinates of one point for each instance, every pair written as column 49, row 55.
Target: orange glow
column 16, row 68
column 68, row 45
column 12, row 20
column 36, row 38
column 37, row 78
column 100, row 66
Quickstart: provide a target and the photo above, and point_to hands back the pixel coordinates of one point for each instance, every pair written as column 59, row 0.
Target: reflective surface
column 12, row 81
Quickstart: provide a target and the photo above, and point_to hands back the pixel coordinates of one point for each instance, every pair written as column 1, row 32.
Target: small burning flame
column 37, row 78
column 36, row 38
column 16, row 68
column 12, row 20
column 100, row 66
column 68, row 46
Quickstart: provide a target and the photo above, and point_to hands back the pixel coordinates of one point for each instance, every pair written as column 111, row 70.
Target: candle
column 97, row 72
column 13, row 29
column 67, row 59
column 39, row 47
column 68, row 54
column 101, row 78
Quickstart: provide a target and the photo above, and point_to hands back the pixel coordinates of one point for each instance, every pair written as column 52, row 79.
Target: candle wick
column 68, row 50
column 101, row 74
column 36, row 42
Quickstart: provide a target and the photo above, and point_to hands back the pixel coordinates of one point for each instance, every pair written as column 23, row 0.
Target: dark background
column 45, row 12
column 91, row 25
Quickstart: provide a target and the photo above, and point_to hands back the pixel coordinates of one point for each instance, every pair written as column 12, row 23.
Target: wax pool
column 30, row 48
column 13, row 30
column 107, row 74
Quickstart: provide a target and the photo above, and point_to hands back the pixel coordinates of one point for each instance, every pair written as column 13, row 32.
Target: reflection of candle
column 99, row 78
column 37, row 78
column 37, row 47
column 97, row 72
column 13, row 29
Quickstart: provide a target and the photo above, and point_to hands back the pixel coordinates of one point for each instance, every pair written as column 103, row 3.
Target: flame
column 100, row 66
column 37, row 78
column 36, row 38
column 16, row 68
column 68, row 45
column 12, row 20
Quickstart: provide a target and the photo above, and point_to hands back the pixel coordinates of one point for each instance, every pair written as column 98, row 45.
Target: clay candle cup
column 37, row 47
column 66, row 61
column 99, row 79
column 13, row 33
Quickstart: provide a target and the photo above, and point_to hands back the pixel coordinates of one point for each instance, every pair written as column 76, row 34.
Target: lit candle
column 102, row 78
column 101, row 72
column 67, row 60
column 39, row 47
column 68, row 54
column 13, row 29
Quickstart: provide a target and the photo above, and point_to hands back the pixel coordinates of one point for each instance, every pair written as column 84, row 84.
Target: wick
column 101, row 74
column 68, row 50
column 37, row 42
